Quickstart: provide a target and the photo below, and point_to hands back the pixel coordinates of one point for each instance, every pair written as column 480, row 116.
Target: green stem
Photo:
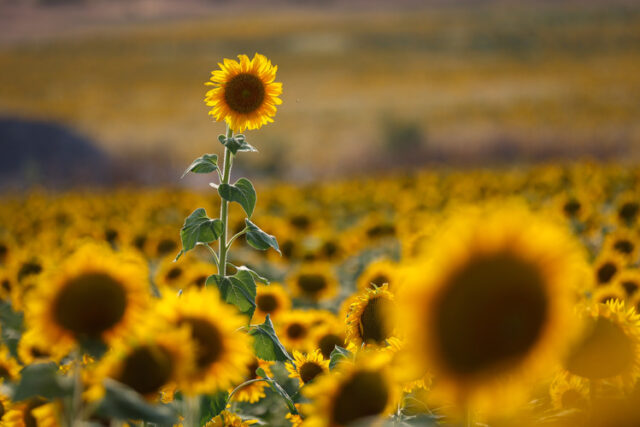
column 238, row 234
column 243, row 385
column 224, row 208
column 77, row 389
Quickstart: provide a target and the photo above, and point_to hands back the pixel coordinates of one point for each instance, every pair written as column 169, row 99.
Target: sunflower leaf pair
column 237, row 143
column 199, row 228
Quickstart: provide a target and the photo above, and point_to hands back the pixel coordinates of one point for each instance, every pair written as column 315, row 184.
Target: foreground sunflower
column 96, row 294
column 222, row 352
column 491, row 307
column 244, row 93
column 356, row 391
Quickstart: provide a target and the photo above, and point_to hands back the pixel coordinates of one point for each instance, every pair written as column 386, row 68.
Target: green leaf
column 42, row 379
column 259, row 239
column 122, row 403
column 199, row 228
column 239, row 290
column 285, row 396
column 266, row 344
column 211, row 405
column 236, row 143
column 205, row 164
column 337, row 355
column 241, row 192
column 256, row 276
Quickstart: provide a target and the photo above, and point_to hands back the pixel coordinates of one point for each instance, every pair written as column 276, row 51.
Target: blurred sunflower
column 244, row 93
column 255, row 391
column 569, row 392
column 229, row 419
column 492, row 304
column 31, row 350
column 370, row 319
column 222, row 354
column 624, row 242
column 34, row 412
column 307, row 366
column 151, row 359
column 356, row 391
column 294, row 330
column 327, row 336
column 378, row 273
column 95, row 294
column 271, row 299
column 9, row 367
column 607, row 266
column 610, row 345
column 313, row 281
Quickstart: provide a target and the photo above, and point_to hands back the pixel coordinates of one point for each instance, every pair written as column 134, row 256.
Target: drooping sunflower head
column 569, row 392
column 95, row 294
column 609, row 347
column 244, row 92
column 272, row 300
column 492, row 304
column 222, row 353
column 307, row 366
column 313, row 282
column 370, row 319
column 356, row 391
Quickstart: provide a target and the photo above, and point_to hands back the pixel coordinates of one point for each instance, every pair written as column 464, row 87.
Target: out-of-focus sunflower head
column 271, row 299
column 370, row 319
column 313, row 282
column 294, row 330
column 377, row 273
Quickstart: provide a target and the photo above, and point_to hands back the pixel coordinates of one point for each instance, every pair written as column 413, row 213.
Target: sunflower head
column 307, row 366
column 272, row 300
column 244, row 92
column 492, row 303
column 222, row 353
column 356, row 391
column 255, row 391
column 95, row 294
column 313, row 282
column 370, row 319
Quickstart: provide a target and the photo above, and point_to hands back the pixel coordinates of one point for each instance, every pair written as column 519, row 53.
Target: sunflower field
column 437, row 297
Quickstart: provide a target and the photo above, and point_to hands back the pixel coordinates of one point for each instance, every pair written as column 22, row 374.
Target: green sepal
column 258, row 239
column 239, row 290
column 236, row 143
column 266, row 344
column 211, row 405
column 199, row 228
column 241, row 192
column 205, row 164
column 337, row 355
column 123, row 403
column 42, row 379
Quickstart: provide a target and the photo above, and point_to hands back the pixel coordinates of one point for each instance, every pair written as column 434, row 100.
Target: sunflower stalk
column 224, row 208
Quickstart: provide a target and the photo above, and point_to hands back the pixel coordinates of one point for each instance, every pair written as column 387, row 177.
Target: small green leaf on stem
column 337, row 355
column 205, row 164
column 260, row 240
column 266, row 344
column 241, row 192
column 198, row 228
column 239, row 290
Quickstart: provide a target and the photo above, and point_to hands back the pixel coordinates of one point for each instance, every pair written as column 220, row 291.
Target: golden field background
column 363, row 90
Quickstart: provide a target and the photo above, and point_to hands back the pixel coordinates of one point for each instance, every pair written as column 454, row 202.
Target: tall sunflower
column 95, row 294
column 492, row 304
column 222, row 352
column 244, row 93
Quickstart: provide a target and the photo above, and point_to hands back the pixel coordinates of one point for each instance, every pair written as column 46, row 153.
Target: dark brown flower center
column 624, row 246
column 90, row 304
column 312, row 284
column 174, row 273
column 147, row 369
column 309, row 370
column 207, row 338
column 605, row 351
column 267, row 303
column 572, row 207
column 244, row 93
column 166, row 246
column 30, row 268
column 630, row 287
column 364, row 395
column 629, row 211
column 296, row 331
column 328, row 343
column 606, row 272
column 490, row 314
column 374, row 325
